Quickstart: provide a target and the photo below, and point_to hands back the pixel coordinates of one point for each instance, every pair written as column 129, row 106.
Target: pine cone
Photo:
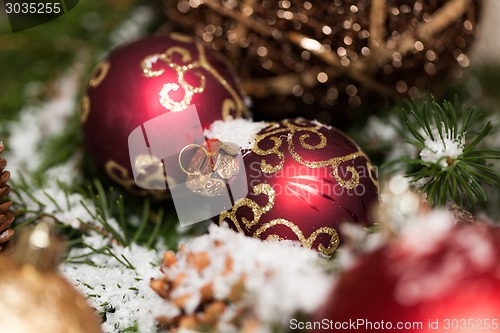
column 6, row 217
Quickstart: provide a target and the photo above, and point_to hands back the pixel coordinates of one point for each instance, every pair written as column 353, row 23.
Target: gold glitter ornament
column 326, row 59
column 35, row 297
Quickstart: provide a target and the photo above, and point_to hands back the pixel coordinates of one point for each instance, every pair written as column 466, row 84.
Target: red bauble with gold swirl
column 145, row 79
column 304, row 180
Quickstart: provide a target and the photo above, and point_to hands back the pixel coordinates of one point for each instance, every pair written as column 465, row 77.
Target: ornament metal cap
column 38, row 246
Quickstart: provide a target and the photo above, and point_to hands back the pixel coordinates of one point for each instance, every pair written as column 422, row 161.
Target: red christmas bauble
column 431, row 281
column 145, row 79
column 304, row 180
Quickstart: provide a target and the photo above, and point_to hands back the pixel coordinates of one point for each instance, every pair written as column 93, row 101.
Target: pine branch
column 452, row 167
column 105, row 209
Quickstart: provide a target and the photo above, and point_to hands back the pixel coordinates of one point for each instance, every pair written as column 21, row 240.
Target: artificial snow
column 424, row 232
column 38, row 123
column 399, row 203
column 386, row 133
column 239, row 131
column 281, row 279
column 320, row 124
column 110, row 285
column 420, row 278
column 441, row 147
column 356, row 241
column 400, row 217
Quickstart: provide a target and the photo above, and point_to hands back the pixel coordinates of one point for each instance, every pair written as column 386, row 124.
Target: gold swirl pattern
column 120, row 175
column 259, row 211
column 85, row 111
column 240, row 107
column 189, row 91
column 227, row 106
column 234, row 105
column 306, row 242
column 99, row 74
column 181, row 38
column 276, row 134
column 370, row 174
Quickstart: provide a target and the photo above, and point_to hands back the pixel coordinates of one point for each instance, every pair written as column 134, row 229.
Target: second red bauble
column 145, row 79
column 438, row 278
column 304, row 180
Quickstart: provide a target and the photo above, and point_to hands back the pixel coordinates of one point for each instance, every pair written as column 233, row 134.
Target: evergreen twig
column 449, row 179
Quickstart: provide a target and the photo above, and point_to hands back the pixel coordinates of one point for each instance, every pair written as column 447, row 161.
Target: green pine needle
column 108, row 213
column 449, row 179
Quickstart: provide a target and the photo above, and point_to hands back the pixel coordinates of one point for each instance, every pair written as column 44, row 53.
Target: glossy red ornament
column 304, row 180
column 444, row 281
column 142, row 80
